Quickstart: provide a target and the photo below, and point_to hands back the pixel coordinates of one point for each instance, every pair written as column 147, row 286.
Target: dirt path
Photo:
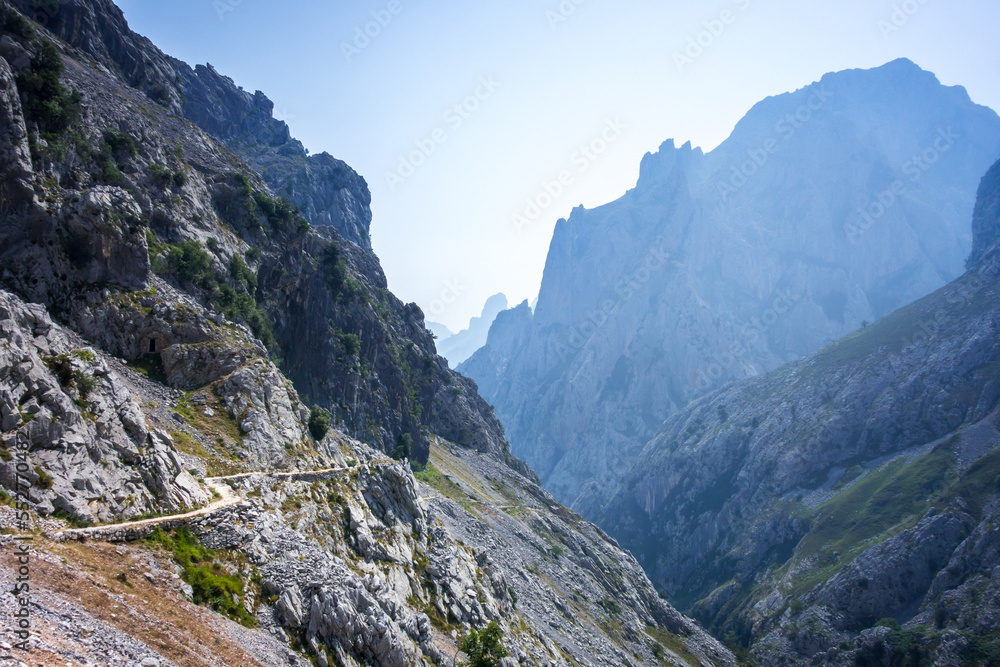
column 227, row 498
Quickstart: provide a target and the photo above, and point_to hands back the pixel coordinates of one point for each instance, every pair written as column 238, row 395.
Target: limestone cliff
column 801, row 509
column 826, row 208
column 171, row 329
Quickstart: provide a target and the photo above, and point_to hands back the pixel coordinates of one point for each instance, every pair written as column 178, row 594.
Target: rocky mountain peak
column 827, row 207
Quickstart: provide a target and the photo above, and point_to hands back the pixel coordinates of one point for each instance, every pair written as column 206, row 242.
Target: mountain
column 826, row 208
column 459, row 347
column 812, row 510
column 439, row 330
column 212, row 408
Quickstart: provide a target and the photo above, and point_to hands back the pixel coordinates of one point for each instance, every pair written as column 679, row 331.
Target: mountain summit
column 826, row 208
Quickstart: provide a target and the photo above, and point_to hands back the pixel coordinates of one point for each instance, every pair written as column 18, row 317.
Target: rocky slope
column 826, row 207
column 166, row 317
column 318, row 301
column 811, row 511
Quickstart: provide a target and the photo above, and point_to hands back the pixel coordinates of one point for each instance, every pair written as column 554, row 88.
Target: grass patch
column 887, row 500
column 216, row 465
column 441, row 483
column 220, row 425
column 669, row 640
column 211, row 583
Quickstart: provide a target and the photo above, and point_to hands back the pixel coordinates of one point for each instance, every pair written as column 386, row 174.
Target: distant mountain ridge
column 800, row 509
column 458, row 347
column 826, row 208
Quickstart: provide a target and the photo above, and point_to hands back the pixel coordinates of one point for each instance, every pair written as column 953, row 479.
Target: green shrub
column 62, row 367
column 108, row 171
column 242, row 275
column 485, row 649
column 351, row 343
column 334, row 268
column 119, row 144
column 890, row 623
column 281, row 214
column 85, row 383
column 44, row 99
column 190, row 262
column 210, row 583
column 319, row 422
column 404, row 442
column 45, row 480
column 14, row 24
column 611, row 606
column 161, row 175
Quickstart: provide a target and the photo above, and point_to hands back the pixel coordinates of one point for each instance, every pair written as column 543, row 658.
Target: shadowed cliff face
column 167, row 322
column 318, row 300
column 326, row 190
column 798, row 508
column 826, row 208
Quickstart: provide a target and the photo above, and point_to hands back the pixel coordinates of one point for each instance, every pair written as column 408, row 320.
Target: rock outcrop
column 827, row 207
column 800, row 508
column 170, row 323
column 121, row 197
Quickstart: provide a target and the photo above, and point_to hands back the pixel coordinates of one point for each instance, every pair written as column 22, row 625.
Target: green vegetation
column 233, row 293
column 44, row 99
column 45, row 480
column 83, row 382
column 485, row 649
column 115, row 149
column 166, row 178
column 351, row 344
column 440, row 482
column 211, row 583
column 982, row 651
column 667, row 640
column 880, row 505
column 319, row 422
column 334, row 268
column 611, row 606
column 216, row 464
column 12, row 23
column 404, row 442
column 887, row 499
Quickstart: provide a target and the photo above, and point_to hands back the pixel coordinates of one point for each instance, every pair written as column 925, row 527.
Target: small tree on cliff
column 484, row 648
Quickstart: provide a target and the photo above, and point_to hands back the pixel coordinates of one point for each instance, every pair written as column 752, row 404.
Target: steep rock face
column 986, row 223
column 826, row 207
column 118, row 197
column 99, row 30
column 325, row 189
column 71, row 418
column 798, row 508
column 166, row 279
column 382, row 568
column 507, row 335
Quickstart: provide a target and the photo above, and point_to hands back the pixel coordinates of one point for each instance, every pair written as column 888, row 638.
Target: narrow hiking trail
column 227, row 498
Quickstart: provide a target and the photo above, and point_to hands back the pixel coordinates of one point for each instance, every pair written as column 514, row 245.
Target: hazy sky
column 535, row 81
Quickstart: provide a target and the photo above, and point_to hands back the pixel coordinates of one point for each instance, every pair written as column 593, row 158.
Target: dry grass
column 91, row 578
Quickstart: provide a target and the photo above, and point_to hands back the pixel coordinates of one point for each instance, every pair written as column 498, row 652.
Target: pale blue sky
column 449, row 226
